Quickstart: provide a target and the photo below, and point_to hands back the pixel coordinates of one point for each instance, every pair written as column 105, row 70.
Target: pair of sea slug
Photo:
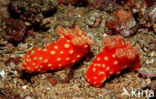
column 75, row 44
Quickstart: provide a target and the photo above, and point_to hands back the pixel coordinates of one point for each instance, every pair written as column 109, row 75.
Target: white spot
column 39, row 49
column 28, row 68
column 52, row 52
column 103, row 65
column 71, row 52
column 28, row 56
column 60, row 65
column 40, row 58
column 36, row 67
column 45, row 61
column 100, row 73
column 99, row 65
column 86, row 46
column 68, row 41
column 111, row 72
column 106, row 58
column 35, row 58
column 94, row 82
column 68, row 58
column 33, row 64
column 115, row 62
column 95, row 77
column 66, row 45
column 24, row 62
column 49, row 65
column 32, row 52
column 55, row 47
column 98, row 58
column 113, row 55
column 58, row 59
column 94, row 69
column 95, row 64
column 61, row 52
column 73, row 61
column 39, row 70
column 78, row 56
column 44, row 50
column 29, row 60
column 107, row 68
column 88, row 79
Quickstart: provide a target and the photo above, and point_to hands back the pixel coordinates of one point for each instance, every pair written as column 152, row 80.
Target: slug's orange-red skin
column 115, row 56
column 65, row 52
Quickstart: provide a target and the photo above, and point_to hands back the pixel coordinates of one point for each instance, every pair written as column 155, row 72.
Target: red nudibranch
column 115, row 56
column 70, row 48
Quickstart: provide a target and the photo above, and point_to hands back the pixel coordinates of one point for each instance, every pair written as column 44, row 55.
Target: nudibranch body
column 115, row 56
column 69, row 49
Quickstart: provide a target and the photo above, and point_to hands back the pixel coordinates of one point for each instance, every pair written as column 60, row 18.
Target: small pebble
column 2, row 74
